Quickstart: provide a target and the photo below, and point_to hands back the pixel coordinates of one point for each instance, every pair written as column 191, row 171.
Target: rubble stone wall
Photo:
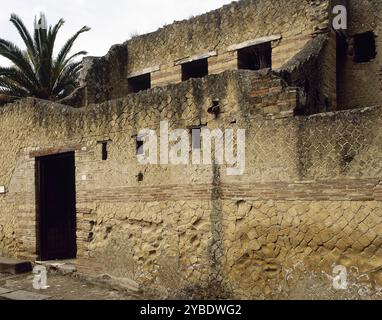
column 291, row 24
column 310, row 197
column 360, row 83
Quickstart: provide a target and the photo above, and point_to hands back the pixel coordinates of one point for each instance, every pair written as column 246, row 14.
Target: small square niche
column 364, row 47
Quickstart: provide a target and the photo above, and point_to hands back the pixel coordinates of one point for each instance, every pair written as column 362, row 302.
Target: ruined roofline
column 219, row 40
column 49, row 106
column 163, row 28
column 41, row 103
column 202, row 89
column 356, row 111
column 219, row 11
column 310, row 51
column 234, row 5
column 245, row 79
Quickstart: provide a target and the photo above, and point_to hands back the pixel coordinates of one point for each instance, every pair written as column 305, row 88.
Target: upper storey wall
column 217, row 31
column 359, row 83
column 216, row 36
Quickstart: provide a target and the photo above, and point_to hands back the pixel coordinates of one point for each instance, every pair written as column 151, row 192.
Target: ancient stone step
column 14, row 266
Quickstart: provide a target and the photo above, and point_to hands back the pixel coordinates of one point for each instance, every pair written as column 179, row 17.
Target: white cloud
column 111, row 21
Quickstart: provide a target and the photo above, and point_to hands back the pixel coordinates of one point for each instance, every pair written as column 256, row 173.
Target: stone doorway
column 56, row 207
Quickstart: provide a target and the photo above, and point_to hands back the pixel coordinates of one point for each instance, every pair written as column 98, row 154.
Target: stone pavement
column 61, row 287
column 16, row 293
column 6, row 294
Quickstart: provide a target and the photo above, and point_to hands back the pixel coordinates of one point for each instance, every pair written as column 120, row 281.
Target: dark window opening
column 364, row 47
column 255, row 57
column 195, row 69
column 140, row 83
column 139, row 145
column 104, row 151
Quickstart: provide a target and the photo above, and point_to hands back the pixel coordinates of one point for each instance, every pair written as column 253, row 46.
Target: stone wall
column 215, row 35
column 313, row 72
column 360, row 83
column 310, row 196
column 288, row 25
column 231, row 25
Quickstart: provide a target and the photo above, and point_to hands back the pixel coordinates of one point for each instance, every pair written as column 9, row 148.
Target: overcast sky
column 112, row 21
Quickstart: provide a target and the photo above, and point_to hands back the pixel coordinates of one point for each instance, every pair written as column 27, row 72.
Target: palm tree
column 35, row 71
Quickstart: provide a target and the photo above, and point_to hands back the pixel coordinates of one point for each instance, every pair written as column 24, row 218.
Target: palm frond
column 52, row 34
column 14, row 54
column 12, row 88
column 68, row 76
column 25, row 35
column 69, row 44
column 35, row 71
column 16, row 76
